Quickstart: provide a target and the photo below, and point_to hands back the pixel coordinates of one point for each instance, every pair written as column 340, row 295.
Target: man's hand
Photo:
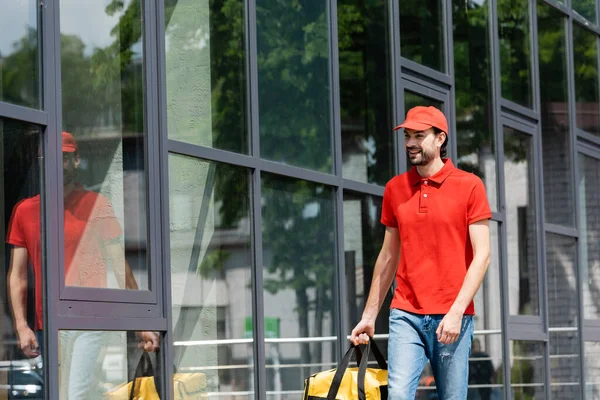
column 449, row 329
column 148, row 341
column 28, row 342
column 362, row 331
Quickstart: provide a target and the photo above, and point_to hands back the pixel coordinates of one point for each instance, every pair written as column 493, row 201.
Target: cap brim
column 69, row 150
column 417, row 126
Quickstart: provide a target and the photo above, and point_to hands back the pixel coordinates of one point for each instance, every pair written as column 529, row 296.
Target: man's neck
column 430, row 169
column 69, row 188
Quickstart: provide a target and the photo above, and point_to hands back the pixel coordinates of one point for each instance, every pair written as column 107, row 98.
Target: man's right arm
column 17, row 287
column 383, row 276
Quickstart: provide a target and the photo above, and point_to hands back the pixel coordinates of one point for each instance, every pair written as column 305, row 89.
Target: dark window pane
column 422, row 32
column 564, row 365
column 585, row 57
column 515, row 55
column 211, row 264
column 105, row 188
column 411, row 100
column 558, row 182
column 521, row 223
column 22, row 262
column 585, row 8
column 474, row 110
column 487, row 299
column 589, row 224
column 363, row 237
column 365, row 91
column 561, row 270
column 298, row 228
column 293, row 82
column 206, row 73
column 527, row 370
column 485, row 367
column 100, row 364
column 19, row 54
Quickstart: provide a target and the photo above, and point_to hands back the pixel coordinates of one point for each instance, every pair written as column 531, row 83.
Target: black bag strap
column 363, row 363
column 339, row 373
column 145, row 369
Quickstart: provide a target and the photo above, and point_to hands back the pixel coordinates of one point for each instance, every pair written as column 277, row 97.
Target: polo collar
column 439, row 177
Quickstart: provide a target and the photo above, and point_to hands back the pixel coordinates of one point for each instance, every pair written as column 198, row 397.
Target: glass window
column 294, row 83
column 585, row 8
column 558, row 181
column 206, row 73
column 486, row 367
column 211, row 264
column 592, row 369
column 104, row 160
column 561, row 270
column 520, row 223
column 527, row 370
column 411, row 100
column 474, row 107
column 564, row 364
column 589, row 224
column 102, row 364
column 363, row 238
column 422, row 32
column 585, row 58
column 515, row 47
column 365, row 91
column 487, row 299
column 298, row 228
column 20, row 79
column 22, row 350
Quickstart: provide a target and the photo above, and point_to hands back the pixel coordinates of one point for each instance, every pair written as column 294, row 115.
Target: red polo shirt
column 89, row 222
column 432, row 216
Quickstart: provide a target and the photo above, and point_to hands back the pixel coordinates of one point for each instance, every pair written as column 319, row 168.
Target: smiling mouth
column 414, row 152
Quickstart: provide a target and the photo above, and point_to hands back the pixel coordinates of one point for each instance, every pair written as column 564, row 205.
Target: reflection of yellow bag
column 345, row 383
column 187, row 386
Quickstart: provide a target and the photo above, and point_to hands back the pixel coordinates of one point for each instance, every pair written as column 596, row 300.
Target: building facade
column 239, row 151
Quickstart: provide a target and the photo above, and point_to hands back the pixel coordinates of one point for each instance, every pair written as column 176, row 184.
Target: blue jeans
column 412, row 342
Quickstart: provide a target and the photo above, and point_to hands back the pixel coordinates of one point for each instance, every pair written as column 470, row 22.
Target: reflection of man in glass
column 437, row 246
column 92, row 239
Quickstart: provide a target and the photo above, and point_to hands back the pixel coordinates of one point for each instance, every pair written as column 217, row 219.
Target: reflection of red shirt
column 89, row 222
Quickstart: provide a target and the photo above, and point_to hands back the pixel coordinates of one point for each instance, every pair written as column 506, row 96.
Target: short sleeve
column 479, row 207
column 388, row 218
column 15, row 234
column 105, row 219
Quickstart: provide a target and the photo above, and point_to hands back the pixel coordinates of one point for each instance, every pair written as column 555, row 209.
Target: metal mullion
column 498, row 135
column 397, row 84
column 518, row 126
column 498, row 217
column 430, row 85
column 557, row 6
column 52, row 215
column 569, row 48
column 23, row 114
column 588, row 137
column 252, row 77
column 561, row 230
column 339, row 287
column 587, row 150
column 527, row 333
column 363, row 188
column 425, row 91
column 298, row 173
column 584, row 23
column 165, row 239
column 411, row 68
column 152, row 150
column 539, row 194
column 217, row 155
column 518, row 110
column 450, row 68
column 94, row 323
column 258, row 309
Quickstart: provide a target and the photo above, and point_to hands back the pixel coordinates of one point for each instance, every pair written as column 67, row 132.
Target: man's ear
column 76, row 160
column 441, row 138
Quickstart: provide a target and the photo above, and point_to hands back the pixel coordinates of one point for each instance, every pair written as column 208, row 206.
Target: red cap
column 69, row 145
column 422, row 118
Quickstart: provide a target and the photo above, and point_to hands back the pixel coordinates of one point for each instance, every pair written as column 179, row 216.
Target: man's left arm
column 115, row 252
column 450, row 326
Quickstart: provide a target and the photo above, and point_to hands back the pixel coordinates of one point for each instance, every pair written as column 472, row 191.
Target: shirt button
column 425, row 195
column 425, row 182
